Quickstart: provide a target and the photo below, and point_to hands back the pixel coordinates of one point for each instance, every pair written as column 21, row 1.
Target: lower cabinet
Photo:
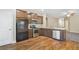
column 53, row 33
column 30, row 33
column 45, row 32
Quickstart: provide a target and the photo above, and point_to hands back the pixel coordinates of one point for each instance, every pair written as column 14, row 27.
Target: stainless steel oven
column 35, row 32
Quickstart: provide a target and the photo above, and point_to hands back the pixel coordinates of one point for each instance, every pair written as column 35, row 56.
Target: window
column 61, row 22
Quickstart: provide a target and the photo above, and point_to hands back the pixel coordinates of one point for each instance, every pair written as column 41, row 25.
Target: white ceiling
column 38, row 11
column 55, row 12
column 52, row 12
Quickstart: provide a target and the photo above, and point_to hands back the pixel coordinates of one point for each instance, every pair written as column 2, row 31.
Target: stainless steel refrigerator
column 21, row 29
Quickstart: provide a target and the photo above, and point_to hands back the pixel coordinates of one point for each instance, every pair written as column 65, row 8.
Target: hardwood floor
column 42, row 43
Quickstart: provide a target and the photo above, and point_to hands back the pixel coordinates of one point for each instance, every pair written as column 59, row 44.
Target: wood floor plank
column 42, row 43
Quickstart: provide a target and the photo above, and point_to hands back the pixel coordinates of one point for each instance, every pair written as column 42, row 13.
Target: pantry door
column 6, row 26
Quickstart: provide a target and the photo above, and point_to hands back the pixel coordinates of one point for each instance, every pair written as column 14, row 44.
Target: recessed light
column 68, row 15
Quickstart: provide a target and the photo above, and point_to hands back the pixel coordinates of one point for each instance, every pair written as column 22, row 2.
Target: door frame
column 14, row 25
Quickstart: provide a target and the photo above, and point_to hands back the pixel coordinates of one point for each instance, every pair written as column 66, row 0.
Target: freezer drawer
column 21, row 36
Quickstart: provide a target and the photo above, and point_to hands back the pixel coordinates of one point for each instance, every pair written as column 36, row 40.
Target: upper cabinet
column 41, row 19
column 21, row 14
column 35, row 19
column 32, row 17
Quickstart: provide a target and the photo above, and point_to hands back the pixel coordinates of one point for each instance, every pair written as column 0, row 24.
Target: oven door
column 35, row 33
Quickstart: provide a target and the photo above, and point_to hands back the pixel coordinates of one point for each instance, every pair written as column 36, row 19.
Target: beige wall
column 44, row 22
column 74, row 24
column 51, row 22
column 67, row 24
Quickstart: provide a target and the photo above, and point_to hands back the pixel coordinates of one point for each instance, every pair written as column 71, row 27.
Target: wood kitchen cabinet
column 30, row 33
column 36, row 19
column 40, row 20
column 21, row 14
column 53, row 33
column 45, row 32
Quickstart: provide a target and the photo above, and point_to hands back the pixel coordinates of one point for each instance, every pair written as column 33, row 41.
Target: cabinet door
column 30, row 33
column 63, row 35
column 40, row 20
column 36, row 19
column 41, row 32
column 21, row 14
column 46, row 32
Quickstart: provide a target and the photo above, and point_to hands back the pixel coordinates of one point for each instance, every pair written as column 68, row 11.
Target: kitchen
column 37, row 25
column 43, row 29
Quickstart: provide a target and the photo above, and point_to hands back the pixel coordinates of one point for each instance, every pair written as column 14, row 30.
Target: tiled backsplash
column 37, row 25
